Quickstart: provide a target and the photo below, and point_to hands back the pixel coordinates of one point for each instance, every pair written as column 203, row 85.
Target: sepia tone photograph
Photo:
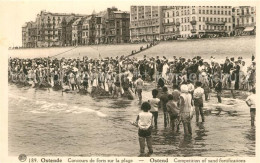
column 121, row 79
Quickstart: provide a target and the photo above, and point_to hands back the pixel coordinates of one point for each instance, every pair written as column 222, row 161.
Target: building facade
column 244, row 20
column 29, row 35
column 49, row 29
column 117, row 24
column 88, row 30
column 196, row 21
column 145, row 23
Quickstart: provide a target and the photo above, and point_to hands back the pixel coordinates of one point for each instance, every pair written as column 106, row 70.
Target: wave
column 57, row 107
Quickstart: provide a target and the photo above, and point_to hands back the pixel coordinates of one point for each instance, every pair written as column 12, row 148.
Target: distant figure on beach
column 251, row 102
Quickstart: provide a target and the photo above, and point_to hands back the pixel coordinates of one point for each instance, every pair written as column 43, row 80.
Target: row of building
column 56, row 29
column 143, row 23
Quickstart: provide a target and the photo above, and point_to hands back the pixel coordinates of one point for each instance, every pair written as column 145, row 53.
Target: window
column 229, row 12
column 222, row 19
column 210, row 19
column 215, row 19
column 247, row 20
column 215, row 27
column 181, row 20
column 203, row 11
column 214, row 12
column 199, row 27
column 229, row 20
column 203, row 19
column 229, row 28
column 167, row 14
column 199, row 11
column 199, row 19
column 225, row 27
column 185, row 28
column 225, row 19
column 203, row 27
column 218, row 19
column 193, row 11
column 222, row 12
column 188, row 27
column 177, row 13
column 210, row 11
column 253, row 20
column 218, row 12
column 225, row 12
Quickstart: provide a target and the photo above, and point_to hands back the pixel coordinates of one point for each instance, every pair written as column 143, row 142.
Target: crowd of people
column 192, row 81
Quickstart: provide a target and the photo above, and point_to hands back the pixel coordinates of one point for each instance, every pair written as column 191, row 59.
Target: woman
column 186, row 105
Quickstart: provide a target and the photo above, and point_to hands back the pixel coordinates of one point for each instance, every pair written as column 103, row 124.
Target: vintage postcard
column 129, row 81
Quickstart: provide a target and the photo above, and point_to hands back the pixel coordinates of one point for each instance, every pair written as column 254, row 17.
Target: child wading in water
column 154, row 102
column 144, row 122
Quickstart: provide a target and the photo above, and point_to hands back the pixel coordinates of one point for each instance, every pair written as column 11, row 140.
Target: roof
column 77, row 21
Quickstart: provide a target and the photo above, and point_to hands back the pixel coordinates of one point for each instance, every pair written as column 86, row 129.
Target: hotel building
column 188, row 21
column 145, row 23
column 244, row 20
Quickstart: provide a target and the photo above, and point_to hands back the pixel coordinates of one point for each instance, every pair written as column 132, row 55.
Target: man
column 198, row 101
column 226, row 72
column 139, row 87
column 163, row 102
column 237, row 70
column 251, row 102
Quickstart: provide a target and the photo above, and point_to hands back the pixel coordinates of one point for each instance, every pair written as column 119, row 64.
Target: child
column 218, row 89
column 173, row 110
column 154, row 102
column 251, row 102
column 144, row 122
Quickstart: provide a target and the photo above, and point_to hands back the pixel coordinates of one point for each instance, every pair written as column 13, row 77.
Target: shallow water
column 49, row 123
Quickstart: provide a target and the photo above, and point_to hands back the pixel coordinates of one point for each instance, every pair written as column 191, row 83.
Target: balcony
column 245, row 25
column 193, row 22
column 177, row 32
column 193, row 30
column 215, row 23
column 214, row 31
column 169, row 24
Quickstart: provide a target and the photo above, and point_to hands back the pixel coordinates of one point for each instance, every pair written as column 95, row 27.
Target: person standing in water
column 139, row 87
column 144, row 122
column 251, row 102
column 163, row 102
column 154, row 102
column 185, row 109
column 198, row 101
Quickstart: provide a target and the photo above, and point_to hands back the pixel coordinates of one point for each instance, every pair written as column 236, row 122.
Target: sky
column 14, row 13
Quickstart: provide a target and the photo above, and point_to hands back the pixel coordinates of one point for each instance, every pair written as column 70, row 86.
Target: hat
column 184, row 88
